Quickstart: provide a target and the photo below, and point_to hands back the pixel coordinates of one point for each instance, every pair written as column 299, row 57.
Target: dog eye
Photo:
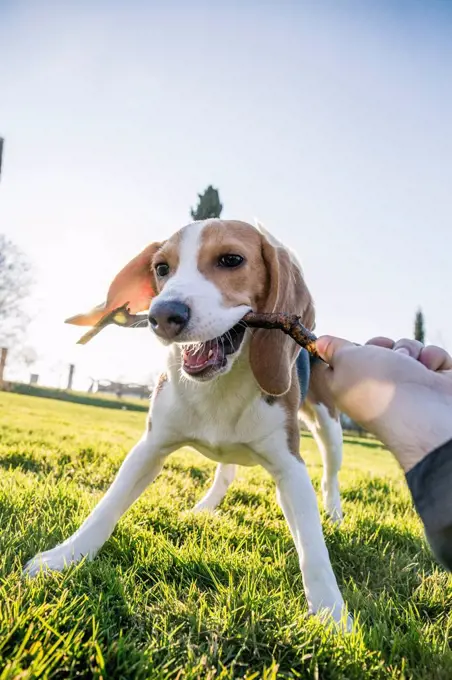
column 230, row 260
column 162, row 269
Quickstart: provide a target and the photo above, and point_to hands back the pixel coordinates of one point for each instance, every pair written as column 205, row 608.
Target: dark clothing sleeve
column 304, row 362
column 430, row 483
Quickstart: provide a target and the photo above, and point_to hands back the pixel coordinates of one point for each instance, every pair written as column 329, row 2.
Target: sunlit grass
column 178, row 595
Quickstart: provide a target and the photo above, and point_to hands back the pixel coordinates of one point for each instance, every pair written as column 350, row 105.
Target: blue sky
column 330, row 121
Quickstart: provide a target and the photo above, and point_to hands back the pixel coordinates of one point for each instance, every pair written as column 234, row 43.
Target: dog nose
column 168, row 318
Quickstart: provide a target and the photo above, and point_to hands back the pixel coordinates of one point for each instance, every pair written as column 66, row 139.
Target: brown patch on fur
column 269, row 399
column 169, row 254
column 272, row 353
column 244, row 285
column 163, row 379
column 161, row 382
column 268, row 281
column 136, row 283
column 290, row 402
column 319, row 392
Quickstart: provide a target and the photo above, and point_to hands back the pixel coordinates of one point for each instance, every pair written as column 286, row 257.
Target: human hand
column 400, row 391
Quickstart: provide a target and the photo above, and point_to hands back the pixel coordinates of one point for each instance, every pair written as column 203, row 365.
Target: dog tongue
column 196, row 360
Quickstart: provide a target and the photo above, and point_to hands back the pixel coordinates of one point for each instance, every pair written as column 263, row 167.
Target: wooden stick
column 119, row 317
column 287, row 323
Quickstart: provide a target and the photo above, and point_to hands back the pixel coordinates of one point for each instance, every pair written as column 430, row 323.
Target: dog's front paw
column 52, row 560
column 336, row 616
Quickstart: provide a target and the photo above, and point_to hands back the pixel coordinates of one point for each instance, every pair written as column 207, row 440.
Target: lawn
column 175, row 595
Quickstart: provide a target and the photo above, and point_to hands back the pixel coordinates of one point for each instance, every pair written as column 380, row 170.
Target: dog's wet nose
column 168, row 318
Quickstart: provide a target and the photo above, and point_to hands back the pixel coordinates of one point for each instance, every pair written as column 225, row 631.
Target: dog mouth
column 204, row 359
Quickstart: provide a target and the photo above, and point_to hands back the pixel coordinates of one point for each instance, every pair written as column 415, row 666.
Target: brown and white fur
column 241, row 411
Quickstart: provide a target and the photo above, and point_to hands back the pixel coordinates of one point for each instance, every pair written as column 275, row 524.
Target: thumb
column 328, row 346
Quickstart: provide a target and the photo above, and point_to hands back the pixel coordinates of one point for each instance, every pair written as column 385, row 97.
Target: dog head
column 199, row 284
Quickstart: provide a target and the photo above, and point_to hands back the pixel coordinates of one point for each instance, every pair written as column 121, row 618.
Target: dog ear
column 272, row 353
column 133, row 285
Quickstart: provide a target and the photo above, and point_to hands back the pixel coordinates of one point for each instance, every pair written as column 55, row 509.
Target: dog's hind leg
column 224, row 476
column 327, row 432
column 139, row 469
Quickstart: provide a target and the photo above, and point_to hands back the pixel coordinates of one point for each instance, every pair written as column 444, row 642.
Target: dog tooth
column 210, row 353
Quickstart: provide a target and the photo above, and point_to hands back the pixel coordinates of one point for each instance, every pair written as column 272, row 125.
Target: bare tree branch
column 15, row 283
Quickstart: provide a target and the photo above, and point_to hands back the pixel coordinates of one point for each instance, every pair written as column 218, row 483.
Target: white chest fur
column 223, row 419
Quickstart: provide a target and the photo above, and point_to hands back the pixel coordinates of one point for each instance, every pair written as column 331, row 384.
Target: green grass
column 173, row 595
column 94, row 399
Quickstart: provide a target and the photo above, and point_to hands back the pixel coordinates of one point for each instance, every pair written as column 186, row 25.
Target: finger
column 436, row 358
column 411, row 348
column 381, row 341
column 328, row 346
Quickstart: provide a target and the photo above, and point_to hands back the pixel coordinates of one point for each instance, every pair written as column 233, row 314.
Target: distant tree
column 419, row 327
column 15, row 282
column 208, row 205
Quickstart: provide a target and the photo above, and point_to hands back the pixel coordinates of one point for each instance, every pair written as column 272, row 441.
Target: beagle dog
column 229, row 392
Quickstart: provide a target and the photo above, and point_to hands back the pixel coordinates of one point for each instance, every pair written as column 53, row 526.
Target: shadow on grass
column 251, row 636
column 368, row 443
column 132, row 608
column 195, row 472
column 375, row 492
column 22, row 461
column 380, row 557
